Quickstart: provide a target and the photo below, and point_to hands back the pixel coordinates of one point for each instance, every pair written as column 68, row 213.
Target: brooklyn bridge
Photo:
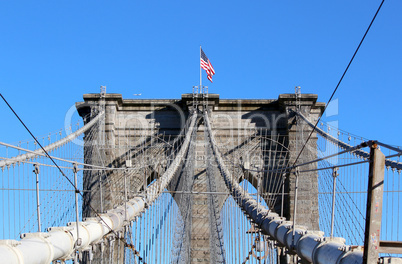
column 200, row 179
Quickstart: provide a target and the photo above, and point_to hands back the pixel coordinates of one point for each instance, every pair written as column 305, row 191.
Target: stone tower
column 127, row 122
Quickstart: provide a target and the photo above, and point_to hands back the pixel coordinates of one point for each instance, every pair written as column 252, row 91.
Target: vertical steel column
column 334, row 175
column 283, row 193
column 100, row 191
column 75, row 170
column 125, row 195
column 129, row 166
column 102, row 108
column 193, row 98
column 101, row 136
column 36, row 171
column 374, row 205
column 144, row 183
column 258, row 190
column 295, row 205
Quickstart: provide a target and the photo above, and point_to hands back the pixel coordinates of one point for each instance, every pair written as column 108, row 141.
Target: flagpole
column 200, row 72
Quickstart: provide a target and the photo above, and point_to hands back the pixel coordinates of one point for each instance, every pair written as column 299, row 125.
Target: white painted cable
column 39, row 152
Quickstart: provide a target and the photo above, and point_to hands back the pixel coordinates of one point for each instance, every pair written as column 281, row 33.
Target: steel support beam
column 374, row 205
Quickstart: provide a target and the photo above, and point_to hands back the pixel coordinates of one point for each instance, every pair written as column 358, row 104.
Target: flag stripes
column 207, row 66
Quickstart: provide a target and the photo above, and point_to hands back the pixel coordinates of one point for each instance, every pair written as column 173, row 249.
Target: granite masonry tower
column 127, row 121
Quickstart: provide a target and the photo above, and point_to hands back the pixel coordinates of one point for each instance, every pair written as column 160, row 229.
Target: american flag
column 207, row 66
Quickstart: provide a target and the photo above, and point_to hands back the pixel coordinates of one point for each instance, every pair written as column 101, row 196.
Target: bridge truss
column 145, row 212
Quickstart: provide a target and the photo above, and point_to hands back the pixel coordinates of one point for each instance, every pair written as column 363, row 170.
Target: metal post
column 283, row 193
column 295, row 205
column 374, row 205
column 145, row 181
column 297, row 97
column 36, row 171
column 125, row 196
column 202, row 90
column 193, row 98
column 334, row 175
column 75, row 170
column 258, row 191
column 102, row 108
column 102, row 249
column 100, row 191
column 206, row 97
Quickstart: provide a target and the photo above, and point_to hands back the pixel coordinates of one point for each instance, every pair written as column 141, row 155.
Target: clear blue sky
column 52, row 52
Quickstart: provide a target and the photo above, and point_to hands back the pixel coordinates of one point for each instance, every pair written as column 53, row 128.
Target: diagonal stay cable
column 337, row 86
column 61, row 171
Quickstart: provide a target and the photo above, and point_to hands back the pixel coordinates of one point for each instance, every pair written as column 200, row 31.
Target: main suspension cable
column 339, row 82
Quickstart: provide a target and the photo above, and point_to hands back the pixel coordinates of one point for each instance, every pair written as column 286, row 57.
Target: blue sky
column 53, row 52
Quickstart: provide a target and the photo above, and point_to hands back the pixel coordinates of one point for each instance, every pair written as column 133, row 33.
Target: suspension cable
column 339, row 82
